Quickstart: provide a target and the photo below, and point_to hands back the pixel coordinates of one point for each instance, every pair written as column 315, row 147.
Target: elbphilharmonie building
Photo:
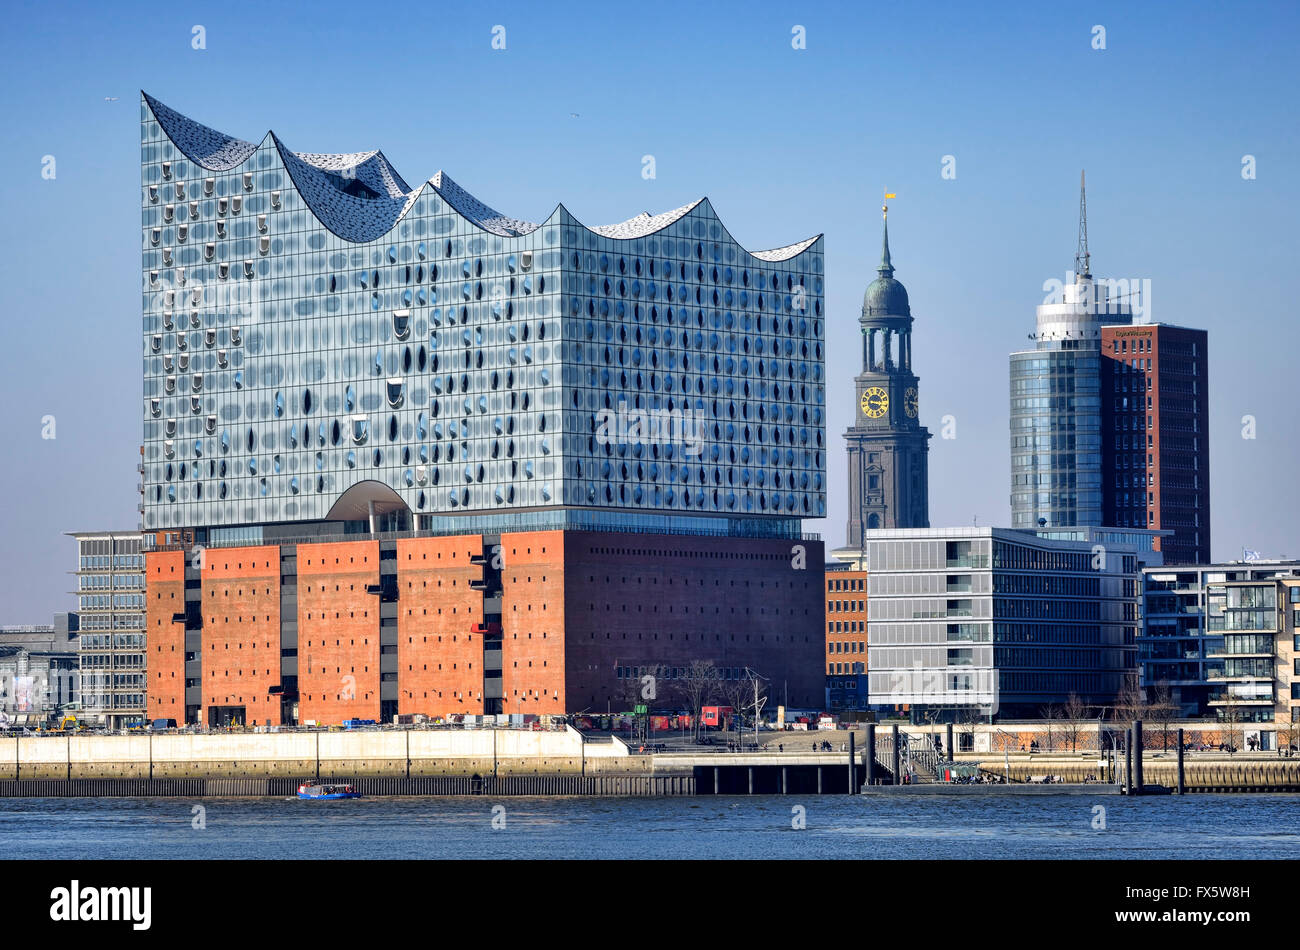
column 314, row 324
column 404, row 454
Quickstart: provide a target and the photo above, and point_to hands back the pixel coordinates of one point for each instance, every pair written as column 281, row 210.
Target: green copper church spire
column 886, row 269
column 885, row 296
column 888, row 448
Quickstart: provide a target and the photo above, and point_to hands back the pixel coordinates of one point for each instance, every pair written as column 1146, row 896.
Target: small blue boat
column 314, row 792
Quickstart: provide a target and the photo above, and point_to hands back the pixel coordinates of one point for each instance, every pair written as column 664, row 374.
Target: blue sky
column 786, row 143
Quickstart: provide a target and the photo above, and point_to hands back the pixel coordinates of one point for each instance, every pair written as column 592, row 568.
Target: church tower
column 888, row 447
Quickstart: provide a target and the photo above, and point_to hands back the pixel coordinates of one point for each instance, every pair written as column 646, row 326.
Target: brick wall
column 164, row 573
column 338, row 631
column 534, row 587
column 658, row 600
column 575, row 608
column 846, row 609
column 241, row 632
column 439, row 656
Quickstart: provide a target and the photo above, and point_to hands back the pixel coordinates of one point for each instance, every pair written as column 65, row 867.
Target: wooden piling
column 871, row 757
column 1182, row 778
column 853, row 768
column 897, row 756
column 1138, row 778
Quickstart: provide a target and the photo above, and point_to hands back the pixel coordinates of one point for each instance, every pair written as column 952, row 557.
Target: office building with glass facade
column 38, row 671
column 995, row 622
column 1259, row 682
column 1056, row 411
column 36, row 685
column 111, row 652
column 332, row 356
column 1109, row 420
column 1218, row 639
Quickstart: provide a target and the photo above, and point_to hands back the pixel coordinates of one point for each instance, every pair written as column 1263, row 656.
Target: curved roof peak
column 644, row 223
column 372, row 169
column 359, row 196
column 359, row 206
column 336, row 161
column 778, row 254
column 213, row 150
column 470, row 207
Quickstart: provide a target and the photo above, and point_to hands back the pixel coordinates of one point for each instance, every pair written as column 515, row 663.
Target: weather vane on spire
column 884, row 208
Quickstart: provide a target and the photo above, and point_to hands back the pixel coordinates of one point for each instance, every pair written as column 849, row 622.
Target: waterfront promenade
column 560, row 760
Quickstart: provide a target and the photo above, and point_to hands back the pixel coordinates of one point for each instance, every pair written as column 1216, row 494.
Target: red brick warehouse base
column 573, row 614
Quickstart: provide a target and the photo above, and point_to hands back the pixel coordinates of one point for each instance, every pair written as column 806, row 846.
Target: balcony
column 1238, row 678
column 1242, row 690
column 1173, row 675
column 969, row 633
column 1218, row 699
column 973, row 561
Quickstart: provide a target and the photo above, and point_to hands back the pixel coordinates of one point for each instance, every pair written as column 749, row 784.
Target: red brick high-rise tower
column 1155, row 435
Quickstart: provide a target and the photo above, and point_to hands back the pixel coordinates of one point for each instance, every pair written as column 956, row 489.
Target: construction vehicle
column 62, row 725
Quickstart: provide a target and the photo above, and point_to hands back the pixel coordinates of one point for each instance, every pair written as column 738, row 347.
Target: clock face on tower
column 910, row 402
column 875, row 402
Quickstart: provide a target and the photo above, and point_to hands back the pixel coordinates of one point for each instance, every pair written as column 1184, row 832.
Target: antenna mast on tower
column 1082, row 262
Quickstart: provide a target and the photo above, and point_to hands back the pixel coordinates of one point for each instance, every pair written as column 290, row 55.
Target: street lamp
column 1006, row 756
column 755, row 677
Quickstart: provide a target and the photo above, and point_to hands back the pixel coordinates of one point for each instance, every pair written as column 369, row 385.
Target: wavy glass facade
column 313, row 324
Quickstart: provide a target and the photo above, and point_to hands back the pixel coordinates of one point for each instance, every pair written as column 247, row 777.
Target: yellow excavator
column 65, row 724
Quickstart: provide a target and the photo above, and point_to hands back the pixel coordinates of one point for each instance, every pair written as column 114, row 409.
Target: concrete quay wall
column 1220, row 773
column 299, row 754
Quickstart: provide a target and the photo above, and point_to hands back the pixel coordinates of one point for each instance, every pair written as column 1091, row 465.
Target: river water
column 875, row 827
